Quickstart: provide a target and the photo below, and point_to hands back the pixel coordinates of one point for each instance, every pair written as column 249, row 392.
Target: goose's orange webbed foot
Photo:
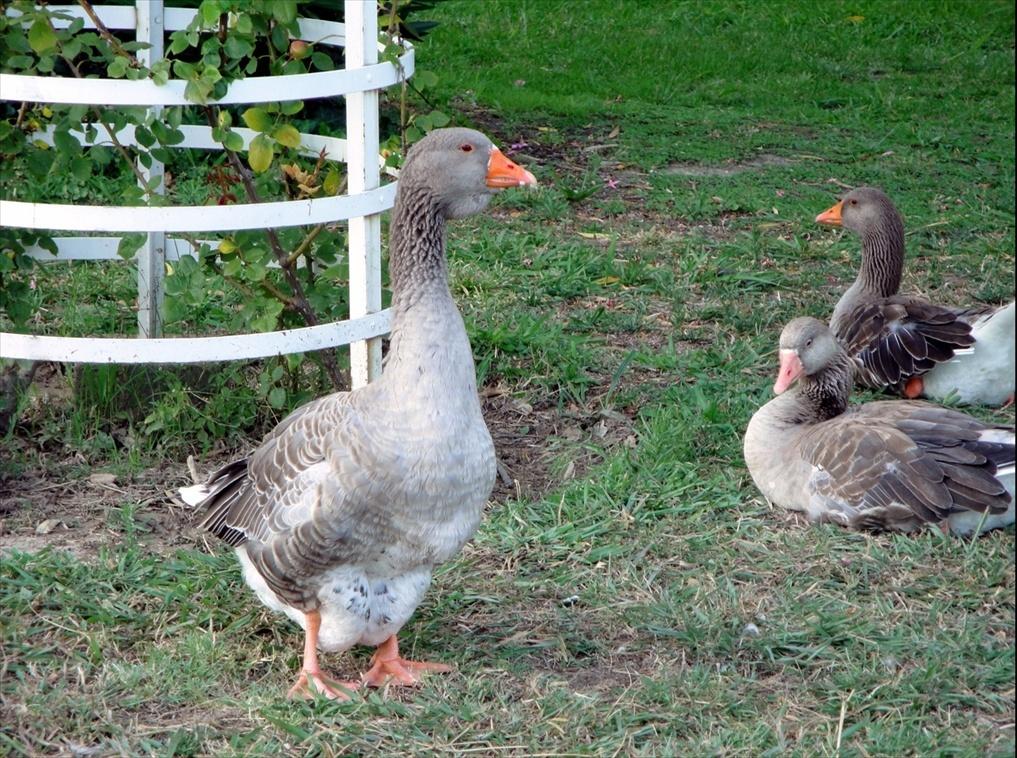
column 386, row 662
column 313, row 683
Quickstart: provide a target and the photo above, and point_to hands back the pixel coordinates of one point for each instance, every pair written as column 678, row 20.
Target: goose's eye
column 466, row 147
column 808, row 343
column 852, row 202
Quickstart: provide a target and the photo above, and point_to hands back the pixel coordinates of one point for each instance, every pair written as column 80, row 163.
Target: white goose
column 906, row 344
column 340, row 515
column 894, row 465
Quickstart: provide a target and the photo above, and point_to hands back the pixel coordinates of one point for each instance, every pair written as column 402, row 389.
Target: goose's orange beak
column 502, row 173
column 831, row 216
column 790, row 369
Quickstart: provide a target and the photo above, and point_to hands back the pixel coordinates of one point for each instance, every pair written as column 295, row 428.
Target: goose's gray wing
column 873, row 475
column 305, row 500
column 899, row 337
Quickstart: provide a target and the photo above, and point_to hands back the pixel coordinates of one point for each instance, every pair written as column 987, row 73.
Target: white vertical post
column 362, row 162
column 151, row 257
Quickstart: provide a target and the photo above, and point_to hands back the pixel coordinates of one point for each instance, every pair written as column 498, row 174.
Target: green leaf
column 144, row 136
column 291, row 107
column 118, row 68
column 322, row 62
column 257, row 255
column 333, row 181
column 81, row 168
column 48, row 244
column 244, row 24
column 424, row 79
column 232, row 268
column 197, row 92
column 71, row 47
column 260, row 153
column 257, row 119
column 39, row 162
column 210, row 74
column 234, row 142
column 277, row 397
column 162, row 154
column 280, row 40
column 41, row 37
column 130, row 244
column 174, row 309
column 167, row 135
column 238, row 47
column 284, row 11
column 65, row 143
column 287, row 135
column 178, row 43
column 439, row 119
column 210, row 11
column 184, row 70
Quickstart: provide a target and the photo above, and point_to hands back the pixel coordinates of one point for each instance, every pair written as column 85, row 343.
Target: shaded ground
column 59, row 503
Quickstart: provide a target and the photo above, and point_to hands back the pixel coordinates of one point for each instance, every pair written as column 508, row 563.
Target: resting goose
column 341, row 513
column 893, row 465
column 906, row 344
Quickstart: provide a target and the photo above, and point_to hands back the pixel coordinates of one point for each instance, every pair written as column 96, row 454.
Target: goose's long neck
column 416, row 248
column 824, row 395
column 429, row 350
column 882, row 257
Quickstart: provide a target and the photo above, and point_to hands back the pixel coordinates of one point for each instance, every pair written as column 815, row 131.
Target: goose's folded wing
column 872, row 475
column 275, row 489
column 933, row 426
column 899, row 337
column 881, row 474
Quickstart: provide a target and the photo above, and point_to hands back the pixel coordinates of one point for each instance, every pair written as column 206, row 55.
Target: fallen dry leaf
column 49, row 525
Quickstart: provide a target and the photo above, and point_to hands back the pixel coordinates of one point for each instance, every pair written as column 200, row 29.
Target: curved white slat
column 200, row 137
column 211, row 218
column 122, row 17
column 192, row 349
column 105, row 249
column 261, row 89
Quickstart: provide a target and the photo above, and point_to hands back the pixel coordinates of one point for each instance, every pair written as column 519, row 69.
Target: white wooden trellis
column 366, row 199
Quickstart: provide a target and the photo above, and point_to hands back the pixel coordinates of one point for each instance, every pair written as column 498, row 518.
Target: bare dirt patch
column 761, row 161
column 56, row 507
column 60, row 503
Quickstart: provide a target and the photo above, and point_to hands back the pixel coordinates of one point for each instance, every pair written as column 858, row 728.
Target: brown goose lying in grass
column 340, row 515
column 906, row 344
column 892, row 465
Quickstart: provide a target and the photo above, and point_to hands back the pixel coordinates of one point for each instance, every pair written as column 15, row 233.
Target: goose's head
column 864, row 211
column 462, row 169
column 807, row 347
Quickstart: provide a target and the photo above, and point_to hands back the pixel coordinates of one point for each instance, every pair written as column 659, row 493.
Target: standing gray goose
column 341, row 513
column 906, row 344
column 893, row 465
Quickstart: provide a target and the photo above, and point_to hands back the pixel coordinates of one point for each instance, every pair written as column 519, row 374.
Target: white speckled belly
column 355, row 609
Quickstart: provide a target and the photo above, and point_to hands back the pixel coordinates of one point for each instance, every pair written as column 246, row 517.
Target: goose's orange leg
column 913, row 387
column 311, row 681
column 386, row 663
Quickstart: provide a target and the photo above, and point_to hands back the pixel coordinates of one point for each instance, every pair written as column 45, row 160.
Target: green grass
column 642, row 599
